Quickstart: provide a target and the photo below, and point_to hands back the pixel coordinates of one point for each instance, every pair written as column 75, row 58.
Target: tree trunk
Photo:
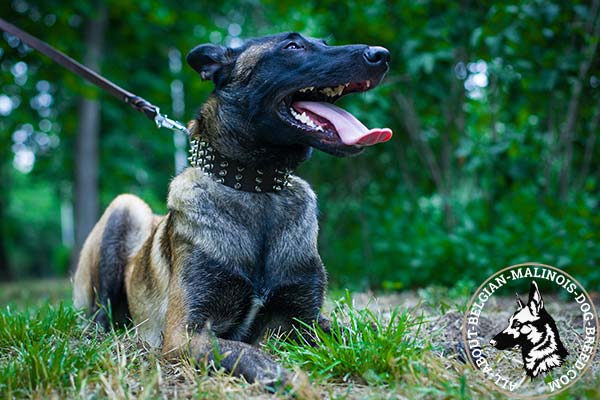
column 86, row 152
column 425, row 152
column 568, row 132
column 4, row 267
column 5, row 274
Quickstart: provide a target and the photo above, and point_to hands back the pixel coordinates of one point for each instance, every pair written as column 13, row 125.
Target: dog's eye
column 293, row 46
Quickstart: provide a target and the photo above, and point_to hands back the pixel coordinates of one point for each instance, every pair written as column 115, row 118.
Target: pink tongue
column 351, row 130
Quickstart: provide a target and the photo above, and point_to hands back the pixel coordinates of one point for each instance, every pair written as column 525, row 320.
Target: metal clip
column 162, row 121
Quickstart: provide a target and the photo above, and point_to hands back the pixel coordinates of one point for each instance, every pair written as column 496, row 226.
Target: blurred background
column 495, row 108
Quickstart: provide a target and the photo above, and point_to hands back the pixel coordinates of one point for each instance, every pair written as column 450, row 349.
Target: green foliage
column 408, row 245
column 360, row 347
column 494, row 107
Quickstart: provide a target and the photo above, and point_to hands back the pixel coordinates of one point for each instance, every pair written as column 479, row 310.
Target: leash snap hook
column 163, row 121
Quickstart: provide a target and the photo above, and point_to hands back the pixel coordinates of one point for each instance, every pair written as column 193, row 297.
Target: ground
column 404, row 345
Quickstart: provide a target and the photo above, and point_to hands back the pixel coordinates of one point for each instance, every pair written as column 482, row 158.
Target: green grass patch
column 372, row 352
column 51, row 351
column 361, row 346
column 39, row 353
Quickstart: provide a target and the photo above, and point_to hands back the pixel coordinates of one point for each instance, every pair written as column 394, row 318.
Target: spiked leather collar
column 234, row 174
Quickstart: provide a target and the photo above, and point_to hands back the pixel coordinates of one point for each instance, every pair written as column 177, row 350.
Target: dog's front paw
column 254, row 365
column 274, row 380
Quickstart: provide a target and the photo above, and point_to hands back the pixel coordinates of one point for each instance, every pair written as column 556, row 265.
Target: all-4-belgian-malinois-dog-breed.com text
column 237, row 252
column 535, row 331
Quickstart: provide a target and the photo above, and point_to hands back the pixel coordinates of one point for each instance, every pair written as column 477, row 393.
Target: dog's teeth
column 307, row 89
column 327, row 91
column 305, row 119
column 368, row 84
column 333, row 91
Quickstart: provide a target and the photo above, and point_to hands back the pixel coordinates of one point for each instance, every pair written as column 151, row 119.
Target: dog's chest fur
column 244, row 259
column 242, row 228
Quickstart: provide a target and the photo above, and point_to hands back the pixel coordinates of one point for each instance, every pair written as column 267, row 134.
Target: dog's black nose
column 376, row 56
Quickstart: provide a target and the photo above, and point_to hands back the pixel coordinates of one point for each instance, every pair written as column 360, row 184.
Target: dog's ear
column 520, row 304
column 209, row 59
column 536, row 303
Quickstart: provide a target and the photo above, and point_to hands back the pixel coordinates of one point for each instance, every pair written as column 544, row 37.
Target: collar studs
column 217, row 166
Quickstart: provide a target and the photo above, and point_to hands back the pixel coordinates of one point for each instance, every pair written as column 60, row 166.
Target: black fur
column 235, row 261
column 111, row 294
column 246, row 118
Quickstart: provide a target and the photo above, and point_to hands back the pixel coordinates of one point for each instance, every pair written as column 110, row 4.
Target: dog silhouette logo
column 534, row 330
column 536, row 348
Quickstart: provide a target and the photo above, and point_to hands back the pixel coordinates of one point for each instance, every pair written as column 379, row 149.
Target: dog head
column 274, row 96
column 526, row 325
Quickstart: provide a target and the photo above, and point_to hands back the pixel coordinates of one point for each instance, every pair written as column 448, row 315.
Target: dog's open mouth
column 312, row 109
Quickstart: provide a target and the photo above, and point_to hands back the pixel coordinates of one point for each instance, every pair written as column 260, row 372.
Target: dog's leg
column 295, row 308
column 99, row 279
column 112, row 300
column 324, row 324
column 237, row 358
column 207, row 295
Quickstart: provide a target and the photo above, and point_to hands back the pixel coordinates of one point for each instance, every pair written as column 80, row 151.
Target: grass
column 39, row 352
column 375, row 351
column 52, row 352
column 360, row 347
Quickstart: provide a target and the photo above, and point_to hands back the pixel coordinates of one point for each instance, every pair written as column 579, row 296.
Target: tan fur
column 193, row 128
column 146, row 281
column 209, row 114
column 157, row 259
column 223, row 265
column 248, row 59
column 86, row 275
column 150, row 289
column 175, row 334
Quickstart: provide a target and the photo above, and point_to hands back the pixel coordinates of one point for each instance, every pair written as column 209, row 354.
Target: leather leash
column 151, row 111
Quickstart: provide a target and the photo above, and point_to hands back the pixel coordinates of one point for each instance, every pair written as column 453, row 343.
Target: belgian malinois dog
column 237, row 252
column 535, row 332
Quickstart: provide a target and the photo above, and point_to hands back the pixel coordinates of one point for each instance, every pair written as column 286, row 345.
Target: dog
column 236, row 255
column 534, row 330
